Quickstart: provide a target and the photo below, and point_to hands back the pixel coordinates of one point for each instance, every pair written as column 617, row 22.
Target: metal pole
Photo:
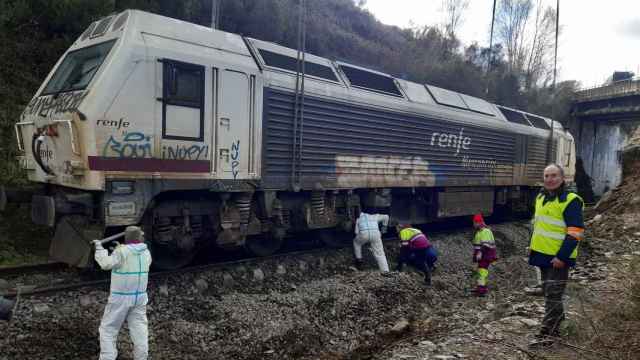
column 553, row 86
column 110, row 238
column 215, row 14
column 493, row 19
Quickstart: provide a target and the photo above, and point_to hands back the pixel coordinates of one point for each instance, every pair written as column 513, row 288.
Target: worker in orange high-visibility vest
column 558, row 229
column 484, row 253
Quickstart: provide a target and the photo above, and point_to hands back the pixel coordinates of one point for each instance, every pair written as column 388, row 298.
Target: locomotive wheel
column 332, row 238
column 263, row 245
column 164, row 258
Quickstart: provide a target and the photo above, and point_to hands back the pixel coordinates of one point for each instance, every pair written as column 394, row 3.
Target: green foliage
column 35, row 33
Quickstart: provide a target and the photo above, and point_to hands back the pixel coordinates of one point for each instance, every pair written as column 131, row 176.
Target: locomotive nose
column 6, row 308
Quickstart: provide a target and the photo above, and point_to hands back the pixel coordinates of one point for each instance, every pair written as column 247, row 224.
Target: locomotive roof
column 356, row 83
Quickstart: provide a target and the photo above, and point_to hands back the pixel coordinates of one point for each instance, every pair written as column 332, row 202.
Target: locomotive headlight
column 122, row 187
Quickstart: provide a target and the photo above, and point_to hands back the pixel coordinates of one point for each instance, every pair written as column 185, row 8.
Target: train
column 211, row 141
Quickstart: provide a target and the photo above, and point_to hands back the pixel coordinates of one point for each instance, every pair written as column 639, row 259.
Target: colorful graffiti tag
column 132, row 145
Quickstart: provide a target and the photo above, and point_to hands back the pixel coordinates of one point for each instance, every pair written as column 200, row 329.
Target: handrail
column 19, row 134
column 615, row 89
column 74, row 145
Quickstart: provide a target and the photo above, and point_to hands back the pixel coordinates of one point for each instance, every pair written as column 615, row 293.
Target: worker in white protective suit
column 129, row 265
column 367, row 232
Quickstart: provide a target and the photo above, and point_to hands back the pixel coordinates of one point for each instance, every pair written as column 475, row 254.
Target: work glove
column 98, row 244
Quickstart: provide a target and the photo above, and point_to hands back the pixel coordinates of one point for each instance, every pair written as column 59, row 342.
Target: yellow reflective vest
column 549, row 229
column 407, row 234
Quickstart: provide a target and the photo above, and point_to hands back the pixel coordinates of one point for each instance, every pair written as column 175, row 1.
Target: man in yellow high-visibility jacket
column 557, row 231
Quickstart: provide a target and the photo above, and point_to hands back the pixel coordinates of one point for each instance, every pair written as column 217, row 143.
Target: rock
column 303, row 266
column 227, row 279
column 4, row 285
column 258, row 275
column 608, row 254
column 242, row 271
column 320, row 262
column 444, row 357
column 400, row 326
column 163, row 290
column 281, row 270
column 597, row 218
column 40, row 308
column 430, row 346
column 86, row 300
column 202, row 285
column 530, row 322
column 25, row 288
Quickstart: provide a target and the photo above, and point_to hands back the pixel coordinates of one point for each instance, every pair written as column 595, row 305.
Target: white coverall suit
column 367, row 232
column 129, row 265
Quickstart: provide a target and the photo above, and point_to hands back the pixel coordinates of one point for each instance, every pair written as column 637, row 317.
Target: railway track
column 13, row 271
column 39, row 290
column 30, row 290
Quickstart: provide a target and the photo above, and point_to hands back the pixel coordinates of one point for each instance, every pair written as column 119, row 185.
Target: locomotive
column 210, row 140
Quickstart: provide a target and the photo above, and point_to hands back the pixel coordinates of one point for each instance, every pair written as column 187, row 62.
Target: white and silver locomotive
column 207, row 140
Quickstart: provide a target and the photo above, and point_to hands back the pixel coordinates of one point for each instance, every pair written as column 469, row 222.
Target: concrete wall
column 599, row 146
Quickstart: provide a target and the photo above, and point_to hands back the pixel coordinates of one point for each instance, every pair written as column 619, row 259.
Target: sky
column 597, row 37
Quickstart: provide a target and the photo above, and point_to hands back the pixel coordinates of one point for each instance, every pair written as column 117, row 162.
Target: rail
column 621, row 88
column 19, row 270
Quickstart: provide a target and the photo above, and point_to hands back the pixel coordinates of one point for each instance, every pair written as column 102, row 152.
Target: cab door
column 235, row 125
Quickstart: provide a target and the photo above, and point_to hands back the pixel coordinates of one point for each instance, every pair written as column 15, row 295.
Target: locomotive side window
column 183, row 101
column 78, row 68
column 291, row 64
column 514, row 116
column 371, row 81
column 185, row 86
column 538, row 122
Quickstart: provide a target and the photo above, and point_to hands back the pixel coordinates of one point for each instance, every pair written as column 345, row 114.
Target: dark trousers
column 554, row 281
column 421, row 259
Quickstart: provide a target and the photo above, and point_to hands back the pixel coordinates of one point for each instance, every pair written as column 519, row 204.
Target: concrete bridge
column 605, row 120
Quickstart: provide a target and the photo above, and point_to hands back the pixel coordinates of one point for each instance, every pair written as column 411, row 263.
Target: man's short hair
column 133, row 234
column 560, row 168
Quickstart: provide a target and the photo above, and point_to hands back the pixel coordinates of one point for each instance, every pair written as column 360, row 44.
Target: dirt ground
column 306, row 307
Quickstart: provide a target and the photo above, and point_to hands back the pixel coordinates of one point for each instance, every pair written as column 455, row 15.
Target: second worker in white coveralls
column 368, row 232
column 129, row 265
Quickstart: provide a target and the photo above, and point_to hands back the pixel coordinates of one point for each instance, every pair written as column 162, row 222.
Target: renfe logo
column 455, row 141
column 46, row 154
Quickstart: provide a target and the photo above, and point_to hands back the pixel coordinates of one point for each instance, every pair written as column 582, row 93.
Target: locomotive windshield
column 78, row 68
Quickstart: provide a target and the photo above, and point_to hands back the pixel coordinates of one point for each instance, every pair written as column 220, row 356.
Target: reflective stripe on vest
column 549, row 229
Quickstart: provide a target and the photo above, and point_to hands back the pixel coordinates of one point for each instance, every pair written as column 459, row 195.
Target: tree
column 453, row 15
column 511, row 20
column 539, row 65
